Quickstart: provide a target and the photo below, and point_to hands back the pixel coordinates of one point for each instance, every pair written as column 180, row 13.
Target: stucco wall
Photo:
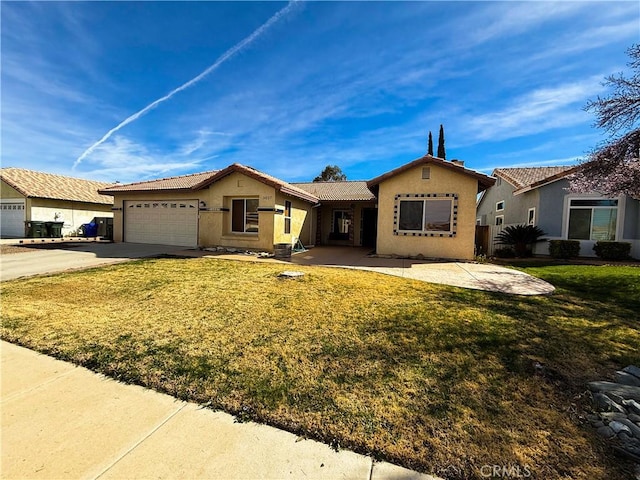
column 73, row 214
column 551, row 211
column 7, row 191
column 631, row 229
column 217, row 230
column 300, row 220
column 442, row 181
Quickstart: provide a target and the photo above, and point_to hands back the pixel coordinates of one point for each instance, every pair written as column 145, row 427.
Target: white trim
column 531, row 219
column 495, row 220
column 586, row 246
column 498, row 209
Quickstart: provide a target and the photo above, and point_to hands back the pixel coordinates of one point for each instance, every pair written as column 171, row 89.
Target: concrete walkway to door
column 477, row 276
column 488, row 277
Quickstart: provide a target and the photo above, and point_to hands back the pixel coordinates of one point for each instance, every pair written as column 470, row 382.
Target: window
column 593, row 219
column 531, row 217
column 426, row 173
column 499, row 219
column 244, row 215
column 287, row 217
column 500, row 206
column 428, row 215
column 340, row 221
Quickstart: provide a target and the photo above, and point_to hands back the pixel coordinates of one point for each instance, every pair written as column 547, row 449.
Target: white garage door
column 166, row 222
column 12, row 218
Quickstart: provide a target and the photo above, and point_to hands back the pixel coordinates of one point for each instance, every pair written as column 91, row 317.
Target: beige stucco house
column 236, row 207
column 426, row 207
column 27, row 195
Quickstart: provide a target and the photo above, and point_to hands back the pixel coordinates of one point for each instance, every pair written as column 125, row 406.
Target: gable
column 7, row 191
column 441, row 180
column 482, row 181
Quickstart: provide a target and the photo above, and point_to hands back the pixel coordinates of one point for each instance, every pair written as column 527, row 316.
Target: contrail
column 223, row 58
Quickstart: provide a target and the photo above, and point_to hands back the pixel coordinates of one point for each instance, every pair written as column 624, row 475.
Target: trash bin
column 282, row 250
column 88, row 230
column 35, row 229
column 105, row 227
column 54, row 229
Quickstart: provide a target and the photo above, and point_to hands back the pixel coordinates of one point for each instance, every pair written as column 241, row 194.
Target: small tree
column 520, row 237
column 441, row 152
column 430, row 145
column 331, row 173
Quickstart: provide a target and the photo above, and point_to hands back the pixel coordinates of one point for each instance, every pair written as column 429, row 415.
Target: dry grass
column 435, row 378
column 10, row 249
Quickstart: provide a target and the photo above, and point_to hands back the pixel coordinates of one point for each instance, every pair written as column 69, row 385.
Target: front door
column 369, row 227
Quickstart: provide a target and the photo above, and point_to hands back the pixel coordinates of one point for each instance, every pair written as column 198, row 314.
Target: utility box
column 282, row 250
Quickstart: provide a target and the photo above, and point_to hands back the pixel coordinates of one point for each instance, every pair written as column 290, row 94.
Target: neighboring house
column 426, row 207
column 27, row 195
column 540, row 196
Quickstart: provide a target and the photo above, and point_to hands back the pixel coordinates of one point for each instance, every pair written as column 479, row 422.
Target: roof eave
column 145, row 190
column 294, row 193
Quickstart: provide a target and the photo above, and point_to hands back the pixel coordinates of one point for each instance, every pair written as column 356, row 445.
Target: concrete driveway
column 54, row 258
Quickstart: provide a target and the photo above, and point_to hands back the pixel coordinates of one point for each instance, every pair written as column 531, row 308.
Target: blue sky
column 356, row 84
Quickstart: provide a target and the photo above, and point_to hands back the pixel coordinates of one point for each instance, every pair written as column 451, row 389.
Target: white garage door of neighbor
column 12, row 218
column 165, row 222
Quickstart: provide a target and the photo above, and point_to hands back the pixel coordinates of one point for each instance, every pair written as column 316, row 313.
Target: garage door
column 166, row 222
column 12, row 218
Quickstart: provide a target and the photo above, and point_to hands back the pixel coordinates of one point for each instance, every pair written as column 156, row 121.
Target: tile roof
column 338, row 191
column 182, row 182
column 34, row 184
column 484, row 181
column 279, row 185
column 532, row 177
column 197, row 181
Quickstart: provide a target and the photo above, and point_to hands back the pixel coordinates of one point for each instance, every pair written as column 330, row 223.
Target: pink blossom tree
column 614, row 168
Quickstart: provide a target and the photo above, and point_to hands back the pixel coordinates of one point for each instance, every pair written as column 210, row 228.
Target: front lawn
column 436, row 378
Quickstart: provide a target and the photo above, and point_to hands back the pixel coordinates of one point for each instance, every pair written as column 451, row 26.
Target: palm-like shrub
column 520, row 238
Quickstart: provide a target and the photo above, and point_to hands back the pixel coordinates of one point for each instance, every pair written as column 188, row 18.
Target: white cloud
column 504, row 19
column 125, row 160
column 536, row 111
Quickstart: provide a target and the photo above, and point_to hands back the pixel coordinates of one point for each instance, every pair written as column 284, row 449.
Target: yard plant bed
column 435, row 378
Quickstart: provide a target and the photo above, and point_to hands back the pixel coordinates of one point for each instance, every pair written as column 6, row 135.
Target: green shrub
column 504, row 252
column 564, row 248
column 612, row 250
column 520, row 238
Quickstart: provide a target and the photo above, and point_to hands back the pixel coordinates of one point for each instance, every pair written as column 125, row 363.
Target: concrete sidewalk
column 60, row 421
